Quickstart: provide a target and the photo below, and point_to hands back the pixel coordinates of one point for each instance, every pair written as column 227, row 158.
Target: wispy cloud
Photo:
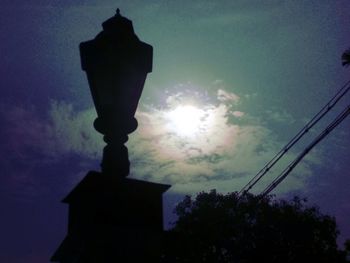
column 224, row 96
column 224, row 156
column 223, row 152
column 72, row 131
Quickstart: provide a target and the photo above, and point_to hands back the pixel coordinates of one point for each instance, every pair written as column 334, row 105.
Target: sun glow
column 186, row 120
column 189, row 125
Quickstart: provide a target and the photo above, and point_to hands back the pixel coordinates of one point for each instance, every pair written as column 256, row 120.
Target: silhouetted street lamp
column 113, row 218
column 116, row 63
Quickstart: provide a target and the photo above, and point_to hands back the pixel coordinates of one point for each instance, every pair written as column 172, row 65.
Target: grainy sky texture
column 252, row 73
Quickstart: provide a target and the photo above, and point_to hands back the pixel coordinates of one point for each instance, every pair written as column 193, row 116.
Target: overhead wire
column 317, row 140
column 319, row 115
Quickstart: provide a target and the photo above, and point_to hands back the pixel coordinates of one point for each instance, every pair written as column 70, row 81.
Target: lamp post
column 113, row 218
column 116, row 63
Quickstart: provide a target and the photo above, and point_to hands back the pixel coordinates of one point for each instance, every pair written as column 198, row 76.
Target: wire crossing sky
column 339, row 119
column 332, row 102
column 232, row 82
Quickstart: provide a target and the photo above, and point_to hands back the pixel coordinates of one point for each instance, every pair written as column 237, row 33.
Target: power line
column 324, row 110
column 318, row 139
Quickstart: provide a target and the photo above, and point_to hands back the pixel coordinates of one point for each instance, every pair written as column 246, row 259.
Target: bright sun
column 186, row 120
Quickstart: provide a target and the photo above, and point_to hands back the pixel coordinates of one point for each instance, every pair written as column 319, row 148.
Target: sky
column 232, row 83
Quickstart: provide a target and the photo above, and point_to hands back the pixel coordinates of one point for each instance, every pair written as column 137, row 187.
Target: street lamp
column 116, row 63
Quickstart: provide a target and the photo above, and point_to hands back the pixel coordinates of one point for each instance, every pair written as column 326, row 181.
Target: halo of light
column 185, row 120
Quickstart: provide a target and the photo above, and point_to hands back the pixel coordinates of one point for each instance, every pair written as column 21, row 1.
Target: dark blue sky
column 254, row 71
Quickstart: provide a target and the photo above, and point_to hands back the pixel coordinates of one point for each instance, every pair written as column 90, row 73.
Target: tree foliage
column 227, row 228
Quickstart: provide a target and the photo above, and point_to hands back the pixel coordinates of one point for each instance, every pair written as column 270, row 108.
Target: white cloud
column 30, row 137
column 222, row 153
column 224, row 156
column 227, row 96
column 72, row 132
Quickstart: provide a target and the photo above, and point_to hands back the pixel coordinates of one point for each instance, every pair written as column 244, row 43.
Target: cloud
column 40, row 151
column 227, row 96
column 27, row 135
column 72, row 132
column 224, row 156
column 223, row 152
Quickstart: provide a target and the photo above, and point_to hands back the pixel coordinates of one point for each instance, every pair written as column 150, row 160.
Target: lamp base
column 113, row 220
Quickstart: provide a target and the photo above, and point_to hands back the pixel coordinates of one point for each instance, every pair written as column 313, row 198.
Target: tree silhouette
column 346, row 58
column 228, row 228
